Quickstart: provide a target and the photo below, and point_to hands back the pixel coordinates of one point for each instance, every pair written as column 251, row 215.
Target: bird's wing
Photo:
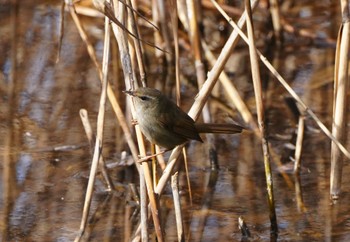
column 179, row 123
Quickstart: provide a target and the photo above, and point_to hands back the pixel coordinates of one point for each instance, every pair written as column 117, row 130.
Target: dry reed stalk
column 200, row 100
column 99, row 133
column 158, row 55
column 214, row 74
column 88, row 11
column 95, row 216
column 130, row 76
column 174, row 177
column 289, row 89
column 111, row 96
column 164, row 28
column 194, row 36
column 163, row 179
column 154, row 165
column 231, row 91
column 340, row 99
column 174, row 18
column 177, row 206
column 187, row 175
column 156, row 34
column 299, row 143
column 298, row 194
column 143, row 207
column 229, row 9
column 243, row 228
column 234, row 94
column 254, row 62
column 85, row 38
column 137, row 44
column 182, row 12
column 90, row 136
column 121, row 37
column 276, row 20
column 107, row 9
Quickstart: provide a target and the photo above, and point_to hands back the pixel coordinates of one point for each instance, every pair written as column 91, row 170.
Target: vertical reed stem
column 99, row 133
column 177, row 206
column 340, row 97
column 260, row 112
column 276, row 20
column 128, row 71
column 299, row 143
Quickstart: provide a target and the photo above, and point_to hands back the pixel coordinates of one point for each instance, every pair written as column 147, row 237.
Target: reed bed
column 175, row 26
column 131, row 51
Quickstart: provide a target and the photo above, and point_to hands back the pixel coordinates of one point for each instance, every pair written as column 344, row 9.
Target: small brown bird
column 165, row 124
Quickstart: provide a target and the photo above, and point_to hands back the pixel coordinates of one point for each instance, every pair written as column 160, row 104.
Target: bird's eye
column 144, row 98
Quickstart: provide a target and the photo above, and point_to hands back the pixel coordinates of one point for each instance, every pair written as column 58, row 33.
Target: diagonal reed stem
column 287, row 86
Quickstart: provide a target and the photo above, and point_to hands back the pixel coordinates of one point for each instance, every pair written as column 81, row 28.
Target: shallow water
column 45, row 155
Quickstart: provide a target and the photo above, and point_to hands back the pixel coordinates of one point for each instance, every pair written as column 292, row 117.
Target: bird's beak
column 131, row 93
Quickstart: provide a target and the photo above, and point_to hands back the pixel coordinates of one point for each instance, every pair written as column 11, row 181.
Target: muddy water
column 45, row 156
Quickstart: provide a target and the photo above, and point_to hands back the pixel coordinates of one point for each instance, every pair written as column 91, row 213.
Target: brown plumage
column 165, row 124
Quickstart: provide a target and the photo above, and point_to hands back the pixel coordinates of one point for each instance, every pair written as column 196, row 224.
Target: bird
column 165, row 124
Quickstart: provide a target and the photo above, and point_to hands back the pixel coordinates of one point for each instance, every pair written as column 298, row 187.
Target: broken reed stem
column 261, row 117
column 99, row 133
column 128, row 71
column 289, row 89
column 177, row 206
column 340, row 100
column 299, row 143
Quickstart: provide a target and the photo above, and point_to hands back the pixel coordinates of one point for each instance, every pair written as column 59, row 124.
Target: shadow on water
column 45, row 155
